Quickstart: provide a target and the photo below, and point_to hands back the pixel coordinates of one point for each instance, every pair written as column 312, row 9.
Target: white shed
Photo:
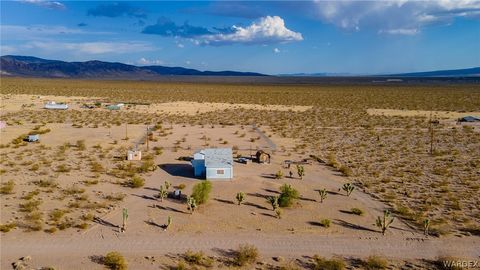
column 213, row 163
column 52, row 105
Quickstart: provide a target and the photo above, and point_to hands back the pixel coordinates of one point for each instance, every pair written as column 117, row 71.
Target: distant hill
column 28, row 66
column 467, row 72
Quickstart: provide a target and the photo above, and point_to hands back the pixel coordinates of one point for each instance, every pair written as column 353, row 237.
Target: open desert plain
column 354, row 175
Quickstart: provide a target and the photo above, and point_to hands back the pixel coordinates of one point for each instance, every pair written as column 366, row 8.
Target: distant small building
column 33, row 138
column 52, row 105
column 469, row 119
column 213, row 163
column 262, row 157
column 134, row 155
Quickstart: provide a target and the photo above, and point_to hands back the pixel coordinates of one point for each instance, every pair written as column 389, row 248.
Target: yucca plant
column 323, row 194
column 385, row 222
column 191, row 204
column 348, row 187
column 426, row 226
column 240, row 197
column 273, row 201
column 162, row 193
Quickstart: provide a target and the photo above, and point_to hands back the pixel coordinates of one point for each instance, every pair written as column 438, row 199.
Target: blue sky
column 358, row 37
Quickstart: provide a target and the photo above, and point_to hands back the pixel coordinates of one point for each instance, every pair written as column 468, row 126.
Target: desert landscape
column 373, row 176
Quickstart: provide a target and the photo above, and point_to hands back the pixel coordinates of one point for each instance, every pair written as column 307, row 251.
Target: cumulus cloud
column 392, row 16
column 269, row 29
column 117, row 9
column 146, row 62
column 276, row 50
column 93, row 48
column 266, row 30
column 45, row 4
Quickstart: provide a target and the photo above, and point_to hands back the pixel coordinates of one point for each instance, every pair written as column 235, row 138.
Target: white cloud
column 93, row 48
column 393, row 15
column 276, row 50
column 45, row 4
column 401, row 31
column 180, row 45
column 269, row 29
column 145, row 62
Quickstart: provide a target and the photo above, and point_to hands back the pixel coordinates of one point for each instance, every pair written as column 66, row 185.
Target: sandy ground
column 219, row 225
column 448, row 115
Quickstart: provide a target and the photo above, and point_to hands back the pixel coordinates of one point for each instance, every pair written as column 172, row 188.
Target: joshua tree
column 191, row 204
column 167, row 185
column 348, row 187
column 125, row 217
column 426, row 226
column 300, row 171
column 323, row 194
column 278, row 213
column 384, row 223
column 273, row 200
column 169, row 222
column 162, row 193
column 240, row 197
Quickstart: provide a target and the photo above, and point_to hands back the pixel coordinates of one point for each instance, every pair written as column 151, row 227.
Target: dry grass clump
column 320, row 263
column 246, row 255
column 197, row 258
column 115, row 261
column 7, row 187
column 375, row 263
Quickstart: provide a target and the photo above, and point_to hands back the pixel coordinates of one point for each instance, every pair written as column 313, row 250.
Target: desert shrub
column 246, row 254
column 201, row 191
column 287, row 195
column 63, row 168
column 73, row 190
column 115, row 261
column 46, row 183
column 51, row 230
column 96, row 167
column 181, row 186
column 30, row 206
column 357, row 211
column 7, row 187
column 90, row 182
column 197, row 258
column 31, row 194
column 345, row 170
column 135, row 182
column 279, row 175
column 57, row 214
column 325, row 223
column 320, row 263
column 7, row 227
column 375, row 263
column 115, row 197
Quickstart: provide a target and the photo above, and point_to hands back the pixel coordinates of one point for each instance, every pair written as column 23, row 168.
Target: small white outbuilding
column 213, row 163
column 134, row 155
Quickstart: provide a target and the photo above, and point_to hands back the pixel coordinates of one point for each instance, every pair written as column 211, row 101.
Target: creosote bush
column 288, row 195
column 115, row 261
column 246, row 255
column 320, row 263
column 201, row 191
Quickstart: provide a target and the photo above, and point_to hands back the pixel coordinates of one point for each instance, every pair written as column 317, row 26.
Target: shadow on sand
column 178, row 169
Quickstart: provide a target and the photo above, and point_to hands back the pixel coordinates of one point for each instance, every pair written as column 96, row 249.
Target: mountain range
column 29, row 66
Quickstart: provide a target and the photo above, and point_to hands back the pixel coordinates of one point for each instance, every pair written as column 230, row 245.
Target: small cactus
column 240, row 197
column 323, row 194
column 169, row 222
column 385, row 222
column 348, row 187
column 191, row 204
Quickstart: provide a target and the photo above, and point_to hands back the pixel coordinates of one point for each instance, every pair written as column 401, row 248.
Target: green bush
column 325, row 223
column 115, row 261
column 320, row 263
column 246, row 254
column 375, row 263
column 135, row 182
column 201, row 191
column 357, row 211
column 287, row 196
